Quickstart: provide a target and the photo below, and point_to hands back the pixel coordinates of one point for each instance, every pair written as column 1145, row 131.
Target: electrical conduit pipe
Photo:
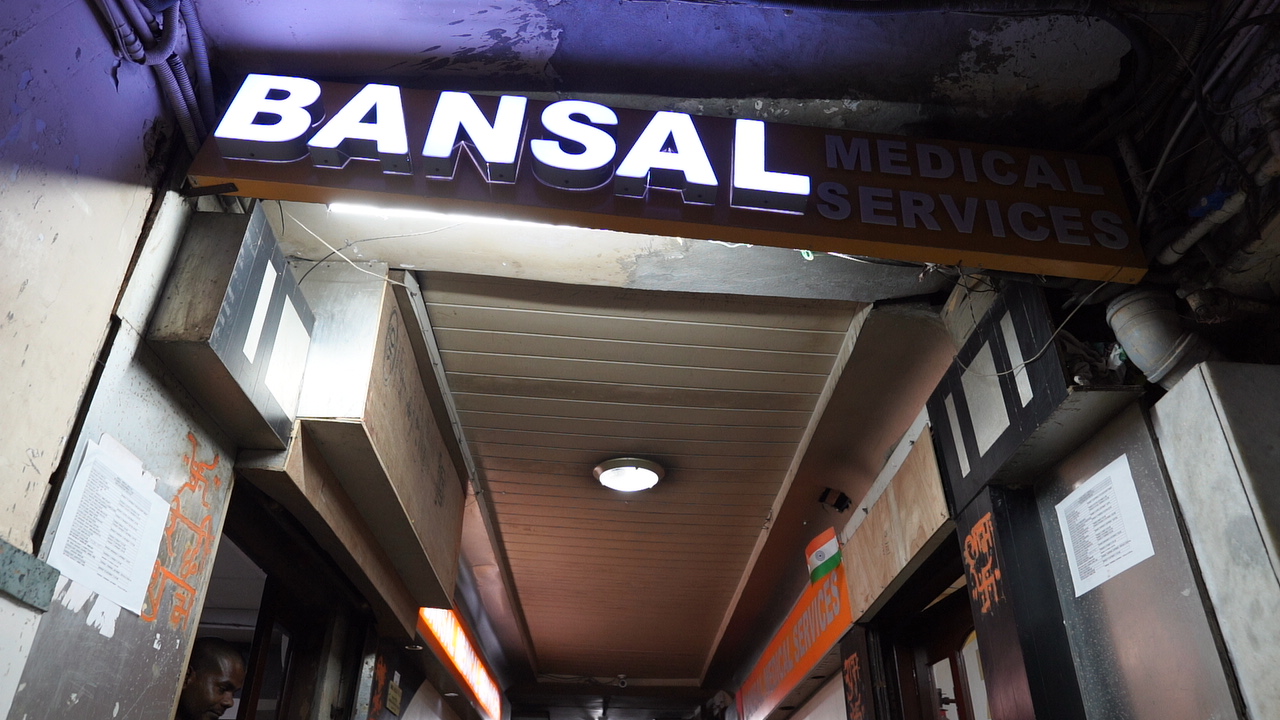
column 1230, row 208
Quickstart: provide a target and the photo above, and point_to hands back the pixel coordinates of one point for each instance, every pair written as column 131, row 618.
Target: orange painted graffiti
column 377, row 701
column 853, row 687
column 981, row 564
column 188, row 543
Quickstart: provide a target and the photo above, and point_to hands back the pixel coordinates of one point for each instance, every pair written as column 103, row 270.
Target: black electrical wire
column 1160, row 91
column 1205, row 105
column 1224, row 48
column 144, row 41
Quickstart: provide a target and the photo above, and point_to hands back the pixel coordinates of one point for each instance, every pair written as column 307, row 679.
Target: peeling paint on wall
column 17, row 627
column 1019, row 62
column 87, row 654
column 100, row 613
column 72, row 201
column 511, row 42
column 103, row 616
column 71, row 595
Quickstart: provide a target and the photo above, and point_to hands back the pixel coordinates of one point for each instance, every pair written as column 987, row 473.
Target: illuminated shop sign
column 672, row 173
column 820, row 618
column 452, row 644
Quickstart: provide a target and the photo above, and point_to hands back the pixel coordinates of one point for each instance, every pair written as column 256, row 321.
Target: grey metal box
column 234, row 328
column 1219, row 438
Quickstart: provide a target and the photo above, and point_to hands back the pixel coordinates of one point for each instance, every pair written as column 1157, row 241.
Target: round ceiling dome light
column 628, row 474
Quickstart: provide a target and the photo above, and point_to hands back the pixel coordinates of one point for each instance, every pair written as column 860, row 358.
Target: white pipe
column 1243, row 12
column 1230, row 208
column 1147, row 327
column 1131, row 162
column 1179, row 247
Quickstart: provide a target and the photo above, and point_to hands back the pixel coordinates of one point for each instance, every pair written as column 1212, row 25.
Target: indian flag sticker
column 824, row 555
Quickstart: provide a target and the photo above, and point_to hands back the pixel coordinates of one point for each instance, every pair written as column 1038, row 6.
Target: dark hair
column 207, row 653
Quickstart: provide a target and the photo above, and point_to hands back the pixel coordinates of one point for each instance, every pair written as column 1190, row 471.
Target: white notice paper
column 1103, row 528
column 111, row 526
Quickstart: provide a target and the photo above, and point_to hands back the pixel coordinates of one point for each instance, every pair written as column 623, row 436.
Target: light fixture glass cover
column 628, row 474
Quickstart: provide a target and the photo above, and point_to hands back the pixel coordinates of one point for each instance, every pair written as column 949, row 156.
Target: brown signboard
column 667, row 173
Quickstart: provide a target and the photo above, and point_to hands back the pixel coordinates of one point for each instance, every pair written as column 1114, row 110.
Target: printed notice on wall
column 1103, row 528
column 111, row 525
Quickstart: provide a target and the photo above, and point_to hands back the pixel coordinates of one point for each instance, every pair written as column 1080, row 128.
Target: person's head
column 215, row 673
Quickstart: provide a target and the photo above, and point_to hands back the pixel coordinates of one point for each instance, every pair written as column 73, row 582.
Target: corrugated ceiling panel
column 586, row 409
column 624, row 428
column 550, row 380
column 625, row 351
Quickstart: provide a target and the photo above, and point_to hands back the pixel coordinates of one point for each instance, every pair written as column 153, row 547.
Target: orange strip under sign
column 451, row 642
column 820, row 618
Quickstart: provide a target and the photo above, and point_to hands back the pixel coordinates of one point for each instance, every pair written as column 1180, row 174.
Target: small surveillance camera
column 622, row 681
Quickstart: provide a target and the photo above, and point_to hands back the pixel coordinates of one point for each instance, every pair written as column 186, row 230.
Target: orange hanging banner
column 820, row 618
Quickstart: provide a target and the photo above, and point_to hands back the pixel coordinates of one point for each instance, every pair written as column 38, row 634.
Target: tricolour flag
column 824, row 555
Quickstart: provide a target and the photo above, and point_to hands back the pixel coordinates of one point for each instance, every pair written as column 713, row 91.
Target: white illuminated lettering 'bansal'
column 687, row 168
column 269, row 118
column 494, row 146
column 348, row 136
column 757, row 188
column 585, row 170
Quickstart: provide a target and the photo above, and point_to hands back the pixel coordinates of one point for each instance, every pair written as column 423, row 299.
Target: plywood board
column 391, row 458
column 301, row 481
column 402, row 427
column 898, row 527
column 920, row 500
column 870, row 557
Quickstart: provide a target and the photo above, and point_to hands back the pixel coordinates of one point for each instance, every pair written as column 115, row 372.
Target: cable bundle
column 148, row 32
